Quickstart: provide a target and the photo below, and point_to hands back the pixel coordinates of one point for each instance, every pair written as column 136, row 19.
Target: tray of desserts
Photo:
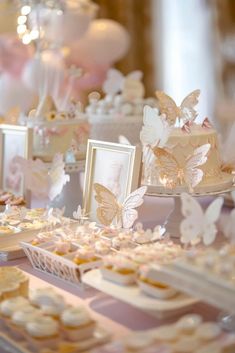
column 209, row 275
column 124, row 275
column 135, row 296
column 190, row 334
column 21, row 224
column 40, row 320
column 68, row 252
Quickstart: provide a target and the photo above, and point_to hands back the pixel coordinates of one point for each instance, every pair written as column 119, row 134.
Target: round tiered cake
column 179, row 154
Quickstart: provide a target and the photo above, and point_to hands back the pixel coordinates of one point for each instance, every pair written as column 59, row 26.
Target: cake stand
column 172, row 223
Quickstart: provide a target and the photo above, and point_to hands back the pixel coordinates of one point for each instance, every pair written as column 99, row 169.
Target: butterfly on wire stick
column 172, row 174
column 199, row 225
column 185, row 112
column 109, row 209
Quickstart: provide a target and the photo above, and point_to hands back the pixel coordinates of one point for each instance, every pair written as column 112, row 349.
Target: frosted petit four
column 85, row 255
column 153, row 287
column 77, row 323
column 119, row 269
column 62, row 247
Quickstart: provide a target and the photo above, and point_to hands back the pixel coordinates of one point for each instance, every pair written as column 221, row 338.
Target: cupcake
column 188, row 324
column 42, row 237
column 153, row 287
column 42, row 332
column 119, row 269
column 102, row 247
column 85, row 255
column 77, row 324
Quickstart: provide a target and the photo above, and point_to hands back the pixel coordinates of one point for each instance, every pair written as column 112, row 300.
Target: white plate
column 133, row 296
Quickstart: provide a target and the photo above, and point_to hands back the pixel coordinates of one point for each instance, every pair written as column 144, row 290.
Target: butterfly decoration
column 123, row 140
column 186, row 127
column 198, row 225
column 185, row 112
column 156, row 130
column 40, row 180
column 172, row 174
column 207, row 124
column 109, row 209
column 115, row 80
column 80, row 214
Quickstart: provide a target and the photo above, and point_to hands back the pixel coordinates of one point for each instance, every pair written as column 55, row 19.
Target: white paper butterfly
column 123, row 140
column 156, row 130
column 172, row 174
column 199, row 225
column 40, row 180
column 115, row 80
column 109, row 208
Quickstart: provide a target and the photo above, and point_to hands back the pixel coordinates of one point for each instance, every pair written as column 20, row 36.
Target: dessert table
column 113, row 314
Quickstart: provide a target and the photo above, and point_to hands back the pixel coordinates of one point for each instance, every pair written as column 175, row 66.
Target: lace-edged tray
column 43, row 259
column 100, row 337
column 161, row 308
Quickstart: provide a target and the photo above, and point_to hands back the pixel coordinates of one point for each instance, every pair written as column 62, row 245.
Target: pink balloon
column 13, row 55
column 105, row 42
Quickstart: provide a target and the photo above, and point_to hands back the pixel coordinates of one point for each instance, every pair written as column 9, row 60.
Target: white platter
column 201, row 285
column 133, row 296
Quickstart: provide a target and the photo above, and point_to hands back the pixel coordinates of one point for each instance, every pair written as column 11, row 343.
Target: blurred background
column 180, row 45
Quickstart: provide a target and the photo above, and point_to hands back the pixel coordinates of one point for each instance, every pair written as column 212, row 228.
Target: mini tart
column 137, row 342
column 13, row 282
column 119, row 270
column 84, row 256
column 47, row 297
column 77, row 324
column 9, row 306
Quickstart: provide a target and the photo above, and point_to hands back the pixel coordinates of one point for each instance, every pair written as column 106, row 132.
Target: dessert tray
column 10, row 242
column 211, row 287
column 43, row 259
column 133, row 296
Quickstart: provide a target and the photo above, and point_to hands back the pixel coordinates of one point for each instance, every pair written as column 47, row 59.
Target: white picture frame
column 116, row 166
column 14, row 140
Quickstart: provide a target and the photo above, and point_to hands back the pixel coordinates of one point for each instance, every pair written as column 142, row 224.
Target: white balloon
column 68, row 26
column 13, row 93
column 44, row 73
column 105, row 42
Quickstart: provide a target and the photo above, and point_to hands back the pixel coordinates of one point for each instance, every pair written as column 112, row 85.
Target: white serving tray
column 133, row 296
column 42, row 259
column 201, row 285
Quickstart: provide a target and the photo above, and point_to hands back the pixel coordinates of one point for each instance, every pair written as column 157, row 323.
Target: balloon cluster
column 73, row 37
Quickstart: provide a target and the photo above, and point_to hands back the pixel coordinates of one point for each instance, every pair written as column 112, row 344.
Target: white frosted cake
column 181, row 155
column 120, row 111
